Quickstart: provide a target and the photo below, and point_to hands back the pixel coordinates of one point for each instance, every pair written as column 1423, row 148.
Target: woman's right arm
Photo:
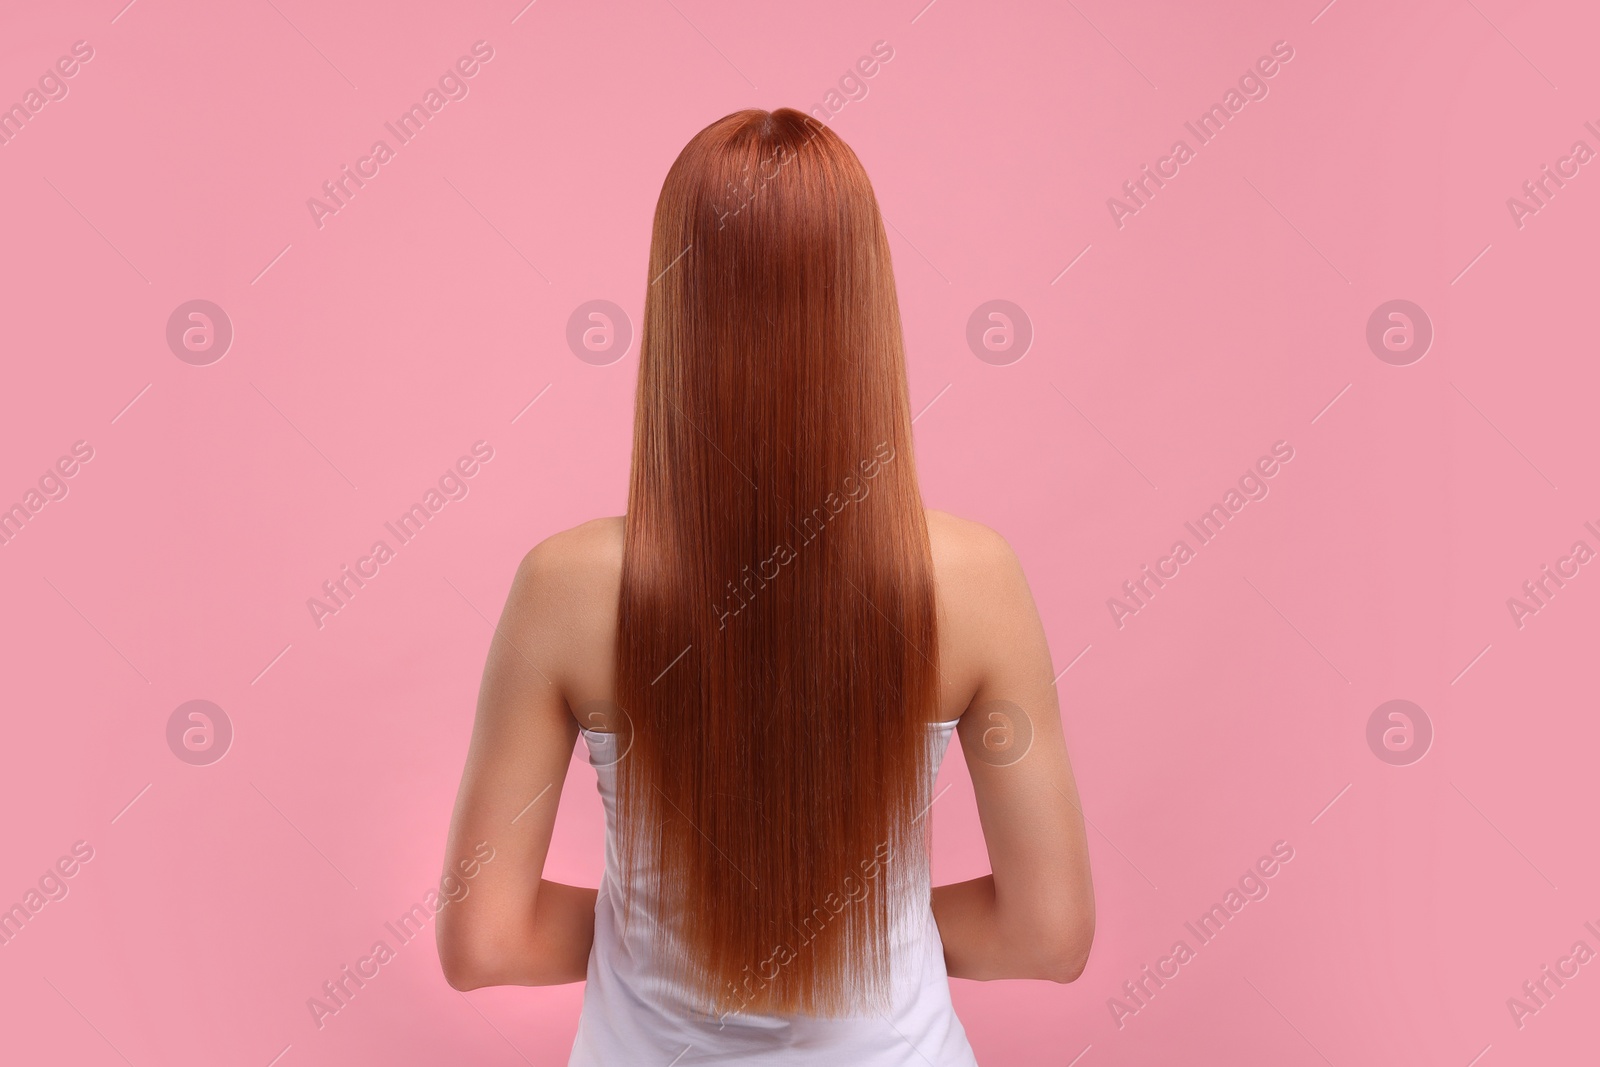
column 1033, row 916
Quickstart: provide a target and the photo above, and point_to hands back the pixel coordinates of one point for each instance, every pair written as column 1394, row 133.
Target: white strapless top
column 633, row 1014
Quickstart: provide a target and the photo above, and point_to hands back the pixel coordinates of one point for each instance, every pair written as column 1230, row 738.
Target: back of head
column 777, row 646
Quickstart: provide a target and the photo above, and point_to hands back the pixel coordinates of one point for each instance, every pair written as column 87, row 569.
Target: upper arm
column 522, row 742
column 1015, row 748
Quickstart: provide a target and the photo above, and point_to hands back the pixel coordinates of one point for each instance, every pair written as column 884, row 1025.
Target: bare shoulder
column 968, row 557
column 983, row 601
column 563, row 603
column 587, row 554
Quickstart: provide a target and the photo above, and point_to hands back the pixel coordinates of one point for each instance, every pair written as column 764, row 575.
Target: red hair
column 777, row 648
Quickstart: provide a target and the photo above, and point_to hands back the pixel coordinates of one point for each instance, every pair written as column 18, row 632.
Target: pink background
column 1224, row 316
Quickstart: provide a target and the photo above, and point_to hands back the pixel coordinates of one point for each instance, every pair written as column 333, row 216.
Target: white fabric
column 633, row 1014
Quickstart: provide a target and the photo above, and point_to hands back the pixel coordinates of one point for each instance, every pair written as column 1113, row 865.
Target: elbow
column 1071, row 951
column 463, row 970
column 1068, row 967
column 475, row 960
column 465, row 959
column 462, row 979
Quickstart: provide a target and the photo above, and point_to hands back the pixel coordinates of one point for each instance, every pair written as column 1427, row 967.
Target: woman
column 766, row 657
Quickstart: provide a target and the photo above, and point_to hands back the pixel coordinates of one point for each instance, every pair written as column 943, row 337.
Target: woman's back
column 632, row 1010
column 631, row 1002
column 551, row 678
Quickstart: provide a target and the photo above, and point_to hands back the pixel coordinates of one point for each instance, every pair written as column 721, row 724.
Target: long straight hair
column 777, row 655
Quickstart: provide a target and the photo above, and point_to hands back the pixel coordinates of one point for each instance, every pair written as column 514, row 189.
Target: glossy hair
column 777, row 651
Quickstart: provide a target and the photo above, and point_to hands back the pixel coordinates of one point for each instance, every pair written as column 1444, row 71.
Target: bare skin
column 1033, row 917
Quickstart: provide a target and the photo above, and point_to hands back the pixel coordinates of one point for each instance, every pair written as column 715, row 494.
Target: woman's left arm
column 504, row 924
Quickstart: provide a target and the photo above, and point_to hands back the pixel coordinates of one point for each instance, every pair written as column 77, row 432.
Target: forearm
column 552, row 948
column 563, row 931
column 983, row 943
column 968, row 926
